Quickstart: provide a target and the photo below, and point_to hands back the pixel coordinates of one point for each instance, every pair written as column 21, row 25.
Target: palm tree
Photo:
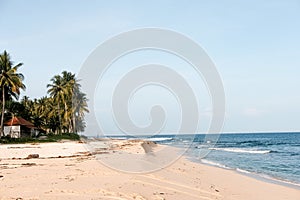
column 40, row 111
column 27, row 110
column 27, row 102
column 79, row 108
column 58, row 92
column 71, row 102
column 50, row 116
column 69, row 82
column 10, row 81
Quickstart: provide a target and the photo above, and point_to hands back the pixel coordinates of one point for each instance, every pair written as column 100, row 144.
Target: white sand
column 78, row 175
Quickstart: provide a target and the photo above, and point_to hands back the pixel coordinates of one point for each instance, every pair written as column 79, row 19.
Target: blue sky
column 254, row 44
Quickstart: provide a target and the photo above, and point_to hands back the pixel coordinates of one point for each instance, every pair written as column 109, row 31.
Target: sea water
column 269, row 155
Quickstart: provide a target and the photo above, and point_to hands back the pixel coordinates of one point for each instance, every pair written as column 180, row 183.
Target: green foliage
column 65, row 136
column 11, row 82
column 62, row 112
column 69, row 103
column 48, row 138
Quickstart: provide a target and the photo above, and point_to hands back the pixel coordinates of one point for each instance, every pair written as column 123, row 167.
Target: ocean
column 273, row 156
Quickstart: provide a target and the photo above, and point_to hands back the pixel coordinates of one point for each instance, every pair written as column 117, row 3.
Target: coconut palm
column 70, row 101
column 70, row 83
column 39, row 111
column 58, row 91
column 79, row 108
column 10, row 81
column 26, row 112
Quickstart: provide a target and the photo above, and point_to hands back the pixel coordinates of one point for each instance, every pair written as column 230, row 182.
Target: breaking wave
column 237, row 150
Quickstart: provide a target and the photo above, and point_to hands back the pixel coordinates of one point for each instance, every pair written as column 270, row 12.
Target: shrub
column 50, row 138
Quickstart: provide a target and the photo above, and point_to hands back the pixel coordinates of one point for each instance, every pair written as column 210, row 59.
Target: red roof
column 19, row 121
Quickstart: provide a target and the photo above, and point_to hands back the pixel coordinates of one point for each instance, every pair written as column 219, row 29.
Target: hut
column 18, row 127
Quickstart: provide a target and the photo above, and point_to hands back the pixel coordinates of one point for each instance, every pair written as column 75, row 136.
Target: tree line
column 61, row 112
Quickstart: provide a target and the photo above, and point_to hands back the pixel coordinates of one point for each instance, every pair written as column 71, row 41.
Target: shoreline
column 75, row 173
column 261, row 177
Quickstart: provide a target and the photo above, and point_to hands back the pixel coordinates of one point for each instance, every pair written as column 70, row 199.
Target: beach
column 69, row 170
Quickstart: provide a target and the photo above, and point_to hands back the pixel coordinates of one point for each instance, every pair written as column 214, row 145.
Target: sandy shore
column 69, row 171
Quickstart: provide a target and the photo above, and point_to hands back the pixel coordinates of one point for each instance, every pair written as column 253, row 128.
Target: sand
column 69, row 170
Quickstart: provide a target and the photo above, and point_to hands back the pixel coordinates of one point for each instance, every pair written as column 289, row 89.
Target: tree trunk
column 74, row 123
column 3, row 110
column 69, row 126
column 59, row 118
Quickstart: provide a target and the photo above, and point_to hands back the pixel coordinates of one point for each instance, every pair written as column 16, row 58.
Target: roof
column 19, row 121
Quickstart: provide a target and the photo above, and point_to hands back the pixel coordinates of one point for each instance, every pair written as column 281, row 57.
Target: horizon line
column 200, row 133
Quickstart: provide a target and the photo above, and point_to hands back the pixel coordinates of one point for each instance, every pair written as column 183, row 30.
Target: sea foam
column 237, row 150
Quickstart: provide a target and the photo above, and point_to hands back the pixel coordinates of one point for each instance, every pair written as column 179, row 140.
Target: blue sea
column 274, row 156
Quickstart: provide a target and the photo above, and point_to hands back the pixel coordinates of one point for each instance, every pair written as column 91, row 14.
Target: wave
column 202, row 146
column 236, row 150
column 280, row 180
column 158, row 139
column 264, row 176
column 120, row 138
column 252, row 143
column 208, row 162
column 243, row 171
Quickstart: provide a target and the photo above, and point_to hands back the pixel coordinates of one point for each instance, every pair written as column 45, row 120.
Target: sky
column 255, row 46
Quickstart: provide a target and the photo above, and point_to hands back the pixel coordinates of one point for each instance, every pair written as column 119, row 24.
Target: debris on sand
column 33, row 156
